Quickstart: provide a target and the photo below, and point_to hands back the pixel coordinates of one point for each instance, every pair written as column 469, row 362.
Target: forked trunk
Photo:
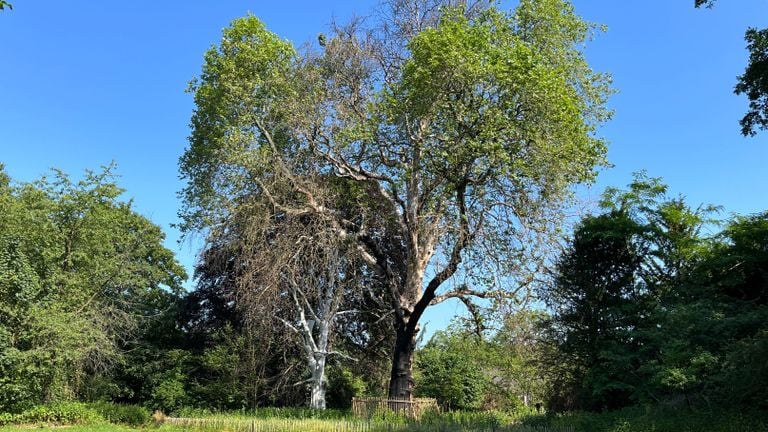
column 401, row 380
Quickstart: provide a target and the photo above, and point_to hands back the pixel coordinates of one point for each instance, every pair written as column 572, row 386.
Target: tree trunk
column 401, row 380
column 317, row 382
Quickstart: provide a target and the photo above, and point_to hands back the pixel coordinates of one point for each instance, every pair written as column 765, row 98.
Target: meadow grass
column 77, row 428
column 637, row 419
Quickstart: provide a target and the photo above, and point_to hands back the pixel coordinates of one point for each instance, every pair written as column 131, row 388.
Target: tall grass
column 636, row 419
column 453, row 422
column 654, row 419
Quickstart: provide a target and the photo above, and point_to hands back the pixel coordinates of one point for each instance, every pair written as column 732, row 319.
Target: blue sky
column 83, row 83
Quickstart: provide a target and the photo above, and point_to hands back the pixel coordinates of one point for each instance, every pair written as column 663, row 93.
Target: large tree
column 462, row 127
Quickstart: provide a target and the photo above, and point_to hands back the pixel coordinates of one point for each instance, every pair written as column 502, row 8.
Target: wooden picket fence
column 367, row 407
column 314, row 425
column 269, row 425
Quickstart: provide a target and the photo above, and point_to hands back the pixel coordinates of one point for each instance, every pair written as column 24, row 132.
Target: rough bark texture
column 401, row 380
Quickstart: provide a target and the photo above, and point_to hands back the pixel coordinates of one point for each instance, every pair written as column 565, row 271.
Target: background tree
column 715, row 324
column 463, row 133
column 450, row 370
column 597, row 301
column 517, row 376
column 464, row 368
column 754, row 81
column 614, row 288
column 294, row 270
column 82, row 270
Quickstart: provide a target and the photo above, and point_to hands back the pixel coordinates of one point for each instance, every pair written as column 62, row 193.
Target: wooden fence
column 368, row 407
column 311, row 425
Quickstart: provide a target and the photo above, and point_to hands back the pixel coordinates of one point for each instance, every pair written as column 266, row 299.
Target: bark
column 401, row 379
column 317, row 382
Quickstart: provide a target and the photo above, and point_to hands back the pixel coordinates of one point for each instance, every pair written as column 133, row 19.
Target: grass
column 636, row 419
column 81, row 428
column 646, row 419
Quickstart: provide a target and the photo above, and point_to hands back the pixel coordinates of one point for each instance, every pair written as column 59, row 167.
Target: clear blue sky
column 83, row 83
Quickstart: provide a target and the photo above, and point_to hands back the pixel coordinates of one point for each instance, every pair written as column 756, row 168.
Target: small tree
column 293, row 270
column 449, row 371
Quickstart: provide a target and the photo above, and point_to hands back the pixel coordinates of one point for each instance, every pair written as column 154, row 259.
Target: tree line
column 649, row 302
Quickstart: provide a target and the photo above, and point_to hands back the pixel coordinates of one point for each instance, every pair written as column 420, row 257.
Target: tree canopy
column 460, row 129
column 82, row 271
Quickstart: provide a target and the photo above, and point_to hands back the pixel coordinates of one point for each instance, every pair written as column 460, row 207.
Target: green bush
column 8, row 418
column 64, row 413
column 451, row 377
column 169, row 394
column 343, row 385
column 132, row 415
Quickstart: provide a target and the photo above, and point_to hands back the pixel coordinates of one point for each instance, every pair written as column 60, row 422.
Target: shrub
column 64, row 413
column 170, row 394
column 8, row 418
column 343, row 385
column 653, row 419
column 132, row 415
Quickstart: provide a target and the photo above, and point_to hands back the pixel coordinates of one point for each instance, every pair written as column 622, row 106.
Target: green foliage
column 450, row 377
column 78, row 267
column 168, row 391
column 20, row 289
column 649, row 310
column 517, row 352
column 450, row 368
column 495, row 371
column 132, row 415
column 614, row 298
column 754, row 81
column 715, row 330
column 597, row 300
column 343, row 385
column 250, row 68
column 63, row 413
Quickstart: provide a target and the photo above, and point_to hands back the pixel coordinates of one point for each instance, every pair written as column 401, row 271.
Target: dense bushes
column 132, row 415
column 59, row 413
column 69, row 413
column 78, row 268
